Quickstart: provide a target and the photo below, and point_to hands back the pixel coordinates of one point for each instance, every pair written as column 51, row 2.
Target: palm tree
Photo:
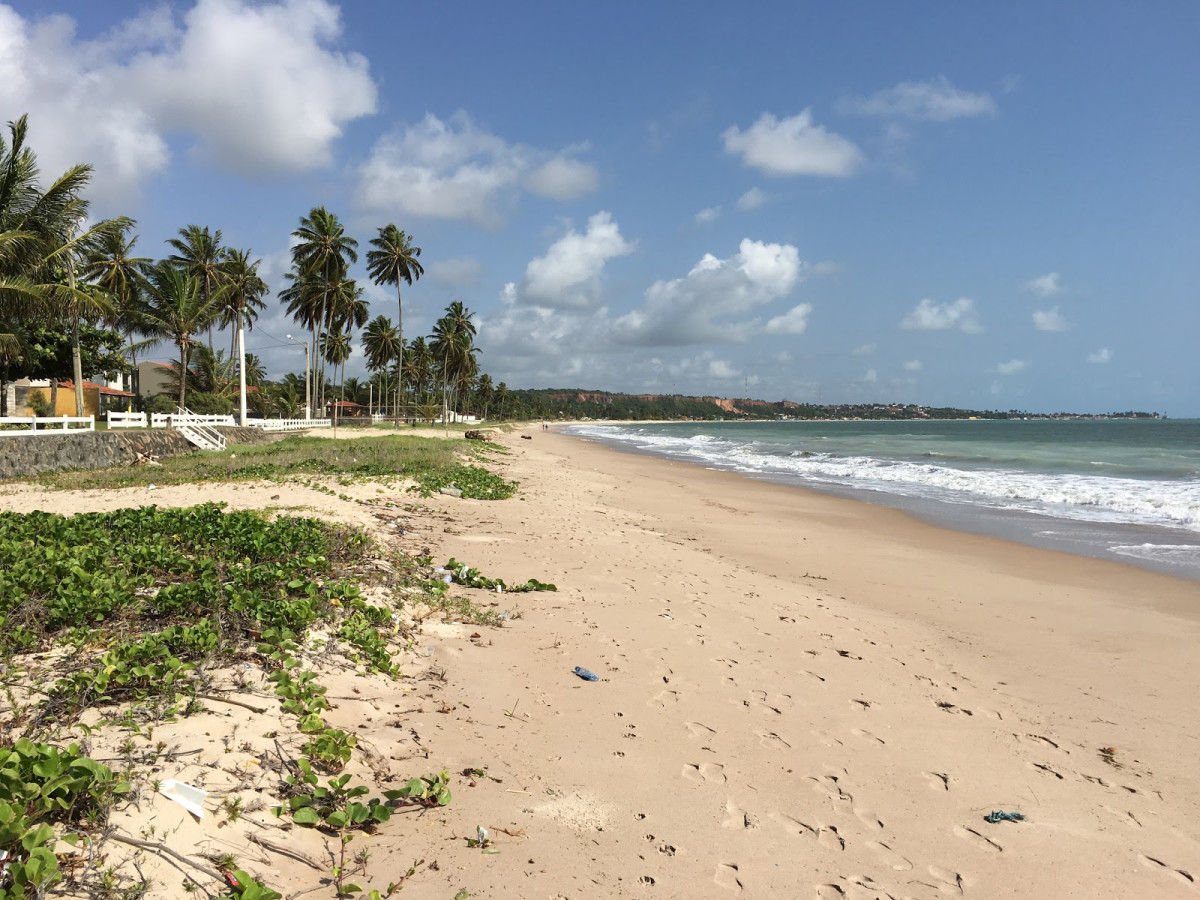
column 198, row 252
column 393, row 260
column 501, row 398
column 112, row 267
column 177, row 311
column 320, row 259
column 42, row 246
column 335, row 349
column 454, row 347
column 241, row 290
column 418, row 368
column 381, row 344
column 485, row 391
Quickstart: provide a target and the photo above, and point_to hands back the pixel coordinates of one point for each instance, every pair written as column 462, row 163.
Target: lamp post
column 307, row 393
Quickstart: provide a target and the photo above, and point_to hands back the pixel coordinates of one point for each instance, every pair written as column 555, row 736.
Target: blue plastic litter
column 585, row 674
column 999, row 815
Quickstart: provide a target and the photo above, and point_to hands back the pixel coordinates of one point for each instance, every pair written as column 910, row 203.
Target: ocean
column 1121, row 489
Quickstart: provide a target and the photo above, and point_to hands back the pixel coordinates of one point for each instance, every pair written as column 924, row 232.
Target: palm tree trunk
column 241, row 348
column 183, row 363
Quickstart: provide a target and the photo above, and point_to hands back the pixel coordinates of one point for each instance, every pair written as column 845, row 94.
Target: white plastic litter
column 189, row 797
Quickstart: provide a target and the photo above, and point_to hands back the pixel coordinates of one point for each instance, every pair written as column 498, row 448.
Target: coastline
column 839, row 688
column 800, row 695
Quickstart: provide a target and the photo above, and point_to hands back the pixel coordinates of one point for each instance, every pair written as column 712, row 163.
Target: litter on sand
column 585, row 674
column 999, row 815
column 189, row 797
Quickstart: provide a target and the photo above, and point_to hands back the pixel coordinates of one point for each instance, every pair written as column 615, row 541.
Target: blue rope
column 1002, row 816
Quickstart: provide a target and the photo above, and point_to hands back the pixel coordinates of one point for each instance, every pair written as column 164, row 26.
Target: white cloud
column 570, row 272
column 934, row 101
column 1013, row 366
column 930, row 316
column 864, row 350
column 913, row 365
column 752, row 199
column 562, row 179
column 709, row 215
column 1100, row 357
column 1044, row 285
column 455, row 272
column 794, row 321
column 1050, row 320
column 454, row 169
column 259, row 86
column 711, row 302
column 792, row 146
column 720, row 368
column 869, row 377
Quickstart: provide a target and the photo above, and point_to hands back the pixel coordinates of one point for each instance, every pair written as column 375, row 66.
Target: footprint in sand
column 736, row 817
column 727, row 876
column 939, row 781
column 828, row 785
column 700, row 730
column 949, row 881
column 889, row 856
column 868, row 818
column 812, row 674
column 828, row 836
column 772, row 740
column 1125, row 816
column 793, row 826
column 663, row 698
column 1182, row 875
column 704, row 772
column 977, row 839
column 867, row 736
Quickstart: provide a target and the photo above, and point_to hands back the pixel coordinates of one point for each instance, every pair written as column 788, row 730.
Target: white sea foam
column 1089, row 497
column 1179, row 554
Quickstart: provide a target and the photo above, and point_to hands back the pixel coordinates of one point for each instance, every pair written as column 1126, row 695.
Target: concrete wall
column 29, row 455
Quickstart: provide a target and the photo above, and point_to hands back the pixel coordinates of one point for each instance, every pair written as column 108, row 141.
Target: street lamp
column 307, row 392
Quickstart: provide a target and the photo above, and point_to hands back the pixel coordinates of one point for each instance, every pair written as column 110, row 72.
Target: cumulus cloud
column 562, row 179
column 260, row 87
column 752, row 199
column 455, row 272
column 1100, row 357
column 709, row 215
column 930, row 316
column 454, row 169
column 792, row 146
column 1013, row 366
column 569, row 274
column 863, row 350
column 794, row 321
column 869, row 377
column 711, row 302
column 933, row 101
column 1050, row 320
column 1044, row 285
column 913, row 365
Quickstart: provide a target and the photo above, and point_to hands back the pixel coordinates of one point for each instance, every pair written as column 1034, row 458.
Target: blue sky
column 989, row 206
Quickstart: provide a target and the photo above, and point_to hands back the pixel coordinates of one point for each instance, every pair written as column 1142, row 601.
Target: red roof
column 106, row 391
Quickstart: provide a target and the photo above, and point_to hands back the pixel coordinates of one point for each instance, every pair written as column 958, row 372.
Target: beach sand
column 798, row 696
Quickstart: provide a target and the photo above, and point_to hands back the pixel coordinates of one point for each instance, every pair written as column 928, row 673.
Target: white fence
column 163, row 420
column 35, row 424
column 126, row 420
column 289, row 424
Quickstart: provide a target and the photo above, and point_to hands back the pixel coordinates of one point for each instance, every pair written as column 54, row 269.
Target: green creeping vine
column 469, row 577
column 475, row 482
column 41, row 784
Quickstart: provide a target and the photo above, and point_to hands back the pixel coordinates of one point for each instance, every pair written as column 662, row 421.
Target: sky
column 992, row 206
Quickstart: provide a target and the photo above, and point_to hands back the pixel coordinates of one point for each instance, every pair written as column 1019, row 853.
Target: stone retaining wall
column 32, row 454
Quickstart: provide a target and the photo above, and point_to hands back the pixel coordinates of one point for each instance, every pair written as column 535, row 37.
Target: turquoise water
column 1127, row 489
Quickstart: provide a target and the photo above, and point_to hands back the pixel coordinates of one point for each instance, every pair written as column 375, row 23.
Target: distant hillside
column 573, row 403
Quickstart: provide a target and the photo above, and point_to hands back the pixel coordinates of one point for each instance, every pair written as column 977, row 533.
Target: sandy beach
column 798, row 696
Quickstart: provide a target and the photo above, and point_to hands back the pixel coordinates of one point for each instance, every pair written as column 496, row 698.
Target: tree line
column 76, row 300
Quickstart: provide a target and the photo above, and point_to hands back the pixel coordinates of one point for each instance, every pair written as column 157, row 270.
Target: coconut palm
column 485, row 391
column 198, row 252
column 241, row 291
column 393, row 260
column 335, row 349
column 501, row 398
column 454, row 349
column 177, row 310
column 112, row 266
column 381, row 344
column 418, row 368
column 320, row 259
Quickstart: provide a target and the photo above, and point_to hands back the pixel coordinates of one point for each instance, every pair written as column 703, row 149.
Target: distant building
column 98, row 399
